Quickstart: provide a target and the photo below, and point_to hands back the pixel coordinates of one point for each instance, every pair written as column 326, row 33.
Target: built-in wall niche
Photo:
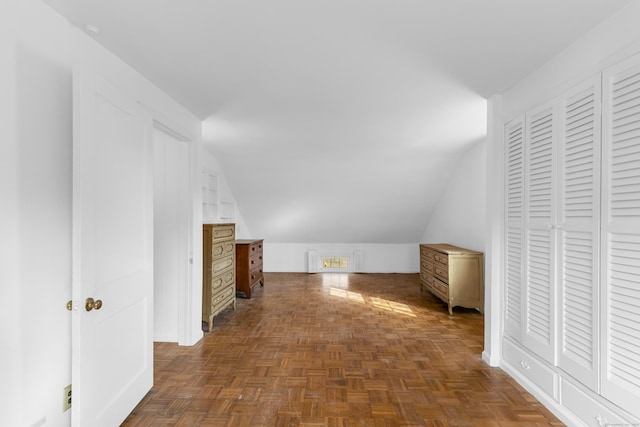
column 227, row 211
column 336, row 262
column 210, row 196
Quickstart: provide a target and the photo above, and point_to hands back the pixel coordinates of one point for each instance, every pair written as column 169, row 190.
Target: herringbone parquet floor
column 336, row 350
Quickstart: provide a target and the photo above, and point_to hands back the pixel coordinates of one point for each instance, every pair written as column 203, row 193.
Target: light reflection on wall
column 287, row 220
column 468, row 116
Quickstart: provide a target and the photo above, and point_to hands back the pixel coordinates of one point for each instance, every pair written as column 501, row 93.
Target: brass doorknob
column 90, row 304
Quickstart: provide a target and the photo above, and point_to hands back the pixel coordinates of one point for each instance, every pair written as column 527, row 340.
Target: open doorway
column 172, row 225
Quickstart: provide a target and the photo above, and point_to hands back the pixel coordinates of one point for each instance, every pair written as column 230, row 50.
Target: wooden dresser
column 453, row 274
column 248, row 265
column 218, row 270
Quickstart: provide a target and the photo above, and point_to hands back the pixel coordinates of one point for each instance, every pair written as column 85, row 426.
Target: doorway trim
column 190, row 306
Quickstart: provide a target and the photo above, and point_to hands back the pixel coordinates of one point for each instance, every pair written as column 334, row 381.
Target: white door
column 172, row 213
column 540, row 203
column 578, row 254
column 620, row 293
column 514, row 230
column 112, row 345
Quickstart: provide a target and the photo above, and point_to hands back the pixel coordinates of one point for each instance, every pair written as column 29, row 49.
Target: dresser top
column 448, row 249
column 247, row 241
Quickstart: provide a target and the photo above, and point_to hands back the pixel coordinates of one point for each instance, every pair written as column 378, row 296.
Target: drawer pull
column 525, row 365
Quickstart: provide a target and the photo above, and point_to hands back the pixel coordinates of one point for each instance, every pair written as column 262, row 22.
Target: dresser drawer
column 255, row 268
column 220, row 249
column 223, row 232
column 440, row 288
column 427, row 265
column 441, row 258
column 534, row 370
column 255, row 262
column 425, row 276
column 255, row 276
column 441, row 271
column 426, row 253
column 590, row 411
column 225, row 278
column 221, row 264
column 219, row 300
column 255, row 248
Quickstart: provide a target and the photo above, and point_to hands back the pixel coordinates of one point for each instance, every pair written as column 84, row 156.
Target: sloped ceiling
column 337, row 121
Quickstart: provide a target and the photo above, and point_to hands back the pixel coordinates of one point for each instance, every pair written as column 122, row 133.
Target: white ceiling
column 337, row 120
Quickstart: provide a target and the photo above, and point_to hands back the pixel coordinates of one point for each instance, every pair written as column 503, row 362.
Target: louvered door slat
column 514, row 182
column 578, row 299
column 579, row 208
column 540, row 165
column 621, row 235
column 538, row 292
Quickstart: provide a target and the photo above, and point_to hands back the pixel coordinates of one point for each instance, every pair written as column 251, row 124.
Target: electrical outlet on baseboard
column 66, row 398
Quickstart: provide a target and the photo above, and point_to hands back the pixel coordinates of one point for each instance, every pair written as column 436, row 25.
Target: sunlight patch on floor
column 394, row 306
column 381, row 303
column 335, row 280
column 351, row 296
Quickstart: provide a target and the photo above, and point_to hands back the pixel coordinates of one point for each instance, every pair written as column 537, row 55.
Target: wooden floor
column 336, row 350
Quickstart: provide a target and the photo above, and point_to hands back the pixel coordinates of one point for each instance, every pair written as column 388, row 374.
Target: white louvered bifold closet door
column 579, row 204
column 540, row 203
column 514, row 233
column 621, row 235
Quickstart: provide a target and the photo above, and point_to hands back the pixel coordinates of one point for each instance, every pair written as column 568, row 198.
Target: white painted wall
column 614, row 39
column 37, row 200
column 460, row 215
column 459, row 219
column 37, row 51
column 11, row 365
